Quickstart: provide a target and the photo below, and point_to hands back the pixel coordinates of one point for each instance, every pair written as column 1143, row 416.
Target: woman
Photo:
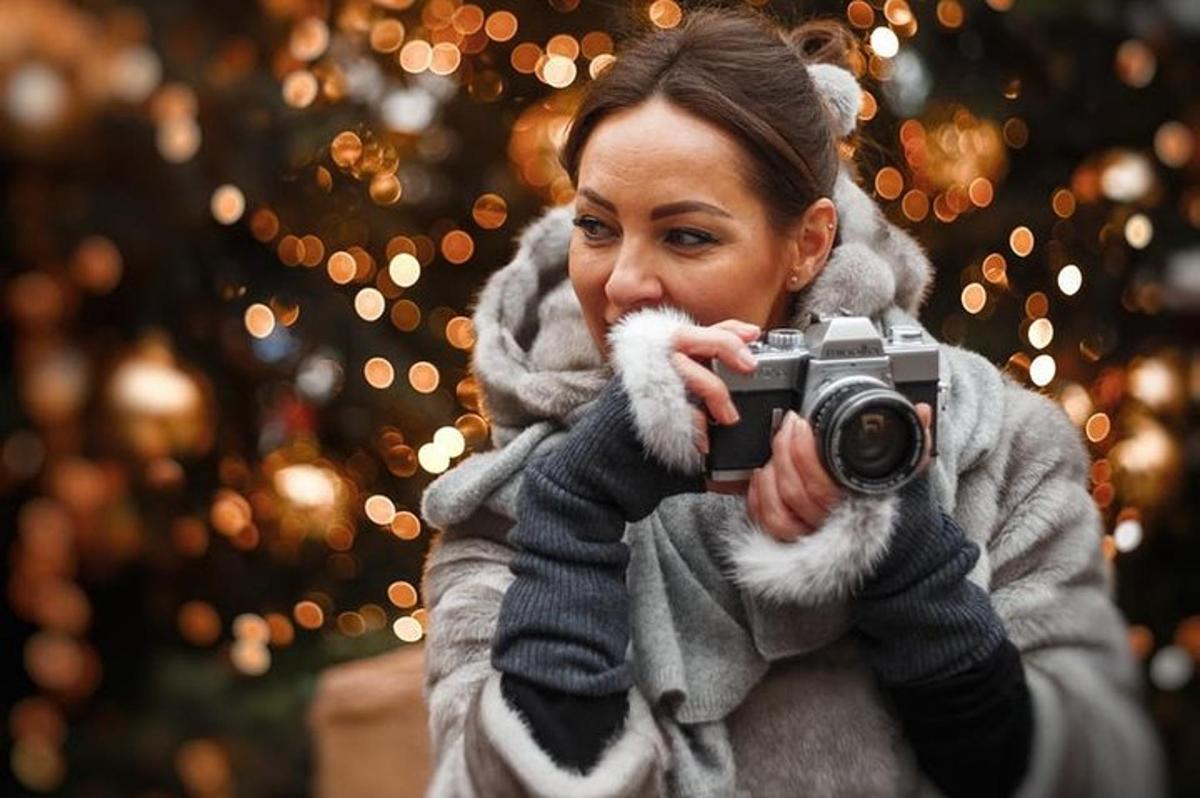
column 601, row 624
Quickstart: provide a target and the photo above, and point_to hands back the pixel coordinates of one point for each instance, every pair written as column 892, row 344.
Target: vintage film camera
column 857, row 389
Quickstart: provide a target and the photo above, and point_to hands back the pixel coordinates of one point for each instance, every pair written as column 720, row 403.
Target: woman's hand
column 727, row 341
column 793, row 494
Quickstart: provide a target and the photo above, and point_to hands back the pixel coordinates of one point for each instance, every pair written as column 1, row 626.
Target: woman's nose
column 633, row 283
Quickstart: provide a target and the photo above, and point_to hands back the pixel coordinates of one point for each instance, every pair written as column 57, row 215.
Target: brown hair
column 744, row 73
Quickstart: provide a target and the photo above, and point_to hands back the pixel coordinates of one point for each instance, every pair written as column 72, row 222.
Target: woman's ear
column 811, row 239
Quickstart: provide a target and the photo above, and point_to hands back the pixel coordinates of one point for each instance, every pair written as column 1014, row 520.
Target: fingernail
column 746, row 357
column 733, row 414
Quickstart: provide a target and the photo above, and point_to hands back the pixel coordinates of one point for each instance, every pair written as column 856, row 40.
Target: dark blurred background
column 239, row 245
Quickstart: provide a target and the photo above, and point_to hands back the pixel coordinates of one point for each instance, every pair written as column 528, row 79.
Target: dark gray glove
column 564, row 621
column 919, row 618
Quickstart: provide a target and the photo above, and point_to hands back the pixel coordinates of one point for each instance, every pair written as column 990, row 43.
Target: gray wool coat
column 748, row 681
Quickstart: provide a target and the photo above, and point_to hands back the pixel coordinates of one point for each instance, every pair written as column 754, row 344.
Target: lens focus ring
column 870, row 438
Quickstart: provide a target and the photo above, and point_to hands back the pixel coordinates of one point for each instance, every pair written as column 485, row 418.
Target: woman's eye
column 592, row 227
column 689, row 238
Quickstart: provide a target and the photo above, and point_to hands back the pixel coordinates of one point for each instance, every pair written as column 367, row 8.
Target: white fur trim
column 843, row 95
column 641, row 345
column 818, row 568
column 624, row 767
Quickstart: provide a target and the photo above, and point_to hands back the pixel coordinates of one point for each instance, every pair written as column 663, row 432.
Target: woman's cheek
column 588, row 273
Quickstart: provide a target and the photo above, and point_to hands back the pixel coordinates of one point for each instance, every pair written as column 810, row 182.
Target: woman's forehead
column 656, row 152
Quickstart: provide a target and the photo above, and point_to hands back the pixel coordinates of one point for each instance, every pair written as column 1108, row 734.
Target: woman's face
column 663, row 214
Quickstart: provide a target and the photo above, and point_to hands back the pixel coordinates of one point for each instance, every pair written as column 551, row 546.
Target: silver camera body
column 857, row 388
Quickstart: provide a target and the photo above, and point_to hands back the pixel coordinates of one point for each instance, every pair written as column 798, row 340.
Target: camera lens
column 869, row 436
column 876, row 440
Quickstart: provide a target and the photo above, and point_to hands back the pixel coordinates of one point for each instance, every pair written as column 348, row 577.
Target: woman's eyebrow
column 687, row 206
column 596, row 198
column 662, row 211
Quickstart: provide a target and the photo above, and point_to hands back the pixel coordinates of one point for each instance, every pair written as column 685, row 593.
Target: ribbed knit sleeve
column 564, row 622
column 940, row 651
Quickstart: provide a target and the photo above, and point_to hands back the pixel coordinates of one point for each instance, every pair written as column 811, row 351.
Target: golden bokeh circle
column 1037, row 305
column 227, row 203
column 1098, row 427
column 595, row 43
column 313, row 251
column 379, row 509
column 467, row 19
column 264, row 225
column 346, row 149
column 898, row 13
column 1015, row 132
column 385, row 189
column 473, row 428
column 387, row 35
column 460, row 332
column 406, row 315
column 444, row 58
column 416, row 56
column 402, row 594
column 379, row 372
column 1070, row 279
column 981, row 192
column 600, row 64
column 995, row 268
column 290, row 250
column 1042, row 370
column 525, row 58
column 950, row 14
column 1040, row 333
column 199, row 623
column 501, row 26
column 369, row 304
column 97, row 265
column 433, row 458
column 915, row 205
column 1063, row 203
column 665, row 13
column 860, row 14
column 341, row 267
column 563, row 44
column 259, row 320
column 1021, row 241
column 467, row 392
column 404, row 269
column 490, row 211
column 308, row 615
column 423, row 376
column 1174, row 144
column 1135, row 63
column 889, row 182
column 406, row 526
column 870, row 106
column 309, row 39
column 300, row 88
column 452, row 441
column 351, row 624
column 974, row 297
column 408, row 629
column 457, row 246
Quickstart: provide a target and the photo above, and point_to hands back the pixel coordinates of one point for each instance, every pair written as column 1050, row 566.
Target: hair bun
column 842, row 94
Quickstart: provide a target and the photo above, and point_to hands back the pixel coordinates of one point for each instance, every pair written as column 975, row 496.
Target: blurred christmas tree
column 240, row 243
